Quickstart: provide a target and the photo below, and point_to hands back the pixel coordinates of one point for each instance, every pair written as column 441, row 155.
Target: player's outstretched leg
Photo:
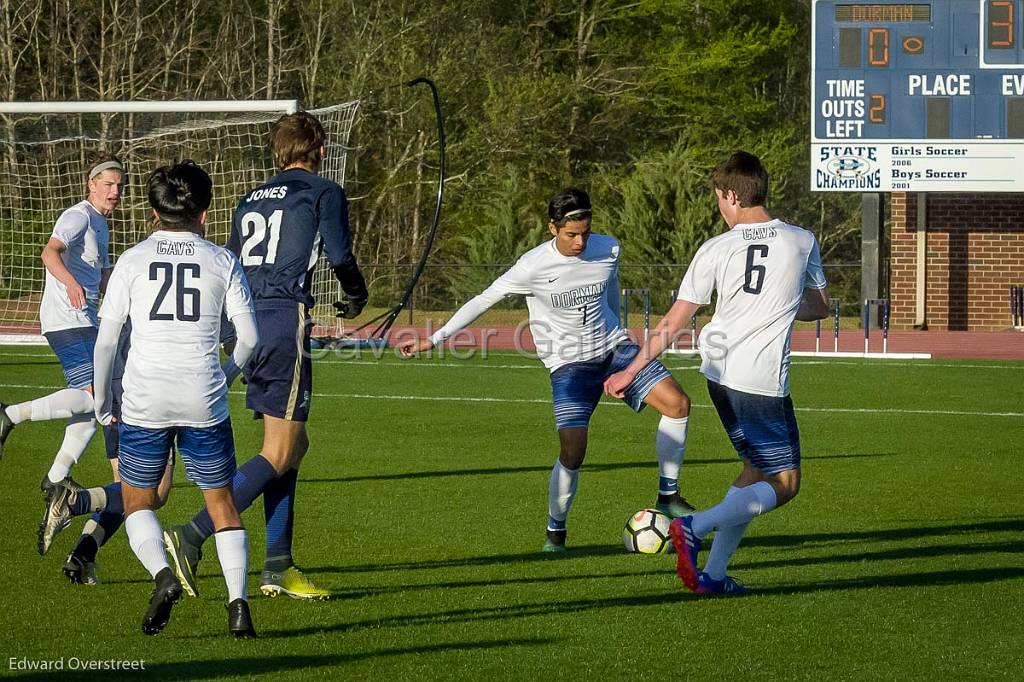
column 63, row 404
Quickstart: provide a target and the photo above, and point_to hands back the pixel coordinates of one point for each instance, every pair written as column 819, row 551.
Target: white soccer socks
column 146, row 540
column 63, row 404
column 727, row 539
column 739, row 507
column 561, row 490
column 233, row 553
column 77, row 435
column 670, row 444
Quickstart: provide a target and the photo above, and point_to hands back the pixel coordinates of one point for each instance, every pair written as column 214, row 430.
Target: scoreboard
column 919, row 96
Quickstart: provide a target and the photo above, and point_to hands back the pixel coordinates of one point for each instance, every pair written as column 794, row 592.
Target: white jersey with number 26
column 175, row 285
column 760, row 271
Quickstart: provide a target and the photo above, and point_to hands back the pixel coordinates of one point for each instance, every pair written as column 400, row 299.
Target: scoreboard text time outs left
column 920, row 97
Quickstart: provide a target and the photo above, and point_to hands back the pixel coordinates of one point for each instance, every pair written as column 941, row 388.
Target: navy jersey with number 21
column 280, row 229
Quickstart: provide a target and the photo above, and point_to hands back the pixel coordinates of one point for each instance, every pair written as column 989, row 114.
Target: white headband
column 106, row 165
column 578, row 211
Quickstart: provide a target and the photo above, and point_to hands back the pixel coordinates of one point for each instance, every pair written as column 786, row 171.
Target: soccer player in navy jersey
column 279, row 230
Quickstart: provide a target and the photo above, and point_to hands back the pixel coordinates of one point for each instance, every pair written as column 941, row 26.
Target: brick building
column 974, row 246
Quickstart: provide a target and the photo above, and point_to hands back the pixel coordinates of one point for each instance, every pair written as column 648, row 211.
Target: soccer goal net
column 44, row 149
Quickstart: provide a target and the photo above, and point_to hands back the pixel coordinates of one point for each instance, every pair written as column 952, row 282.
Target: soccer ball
column 646, row 532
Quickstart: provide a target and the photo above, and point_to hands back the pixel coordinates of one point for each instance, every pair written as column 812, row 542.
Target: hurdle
column 883, row 305
column 645, row 299
column 1017, row 307
column 834, row 305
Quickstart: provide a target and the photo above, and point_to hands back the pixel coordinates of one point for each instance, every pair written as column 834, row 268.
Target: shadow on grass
column 503, row 612
column 574, row 552
column 977, row 576
column 547, row 608
column 1012, row 525
column 265, row 665
column 890, row 555
column 590, row 468
column 654, row 569
column 1015, row 525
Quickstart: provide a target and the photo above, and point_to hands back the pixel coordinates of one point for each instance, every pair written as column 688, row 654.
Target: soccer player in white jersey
column 175, row 285
column 77, row 267
column 767, row 274
column 571, row 286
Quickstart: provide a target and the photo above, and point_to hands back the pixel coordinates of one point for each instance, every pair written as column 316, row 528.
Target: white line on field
column 537, row 365
column 871, row 411
column 469, row 399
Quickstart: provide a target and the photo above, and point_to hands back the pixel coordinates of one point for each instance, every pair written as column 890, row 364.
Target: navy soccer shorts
column 110, row 431
column 762, row 428
column 577, row 387
column 208, row 453
column 74, row 348
column 280, row 375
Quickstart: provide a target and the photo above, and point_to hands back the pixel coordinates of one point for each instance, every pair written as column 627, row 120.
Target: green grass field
column 422, row 505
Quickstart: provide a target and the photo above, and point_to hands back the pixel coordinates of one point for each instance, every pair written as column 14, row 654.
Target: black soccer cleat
column 80, row 571
column 6, row 426
column 554, row 541
column 240, row 620
column 165, row 595
column 674, row 505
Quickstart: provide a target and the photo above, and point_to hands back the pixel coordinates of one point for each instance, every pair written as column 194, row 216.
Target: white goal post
column 44, row 147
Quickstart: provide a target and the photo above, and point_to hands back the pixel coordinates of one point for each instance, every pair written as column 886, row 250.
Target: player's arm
column 661, row 338
column 694, row 291
column 104, row 357
column 337, row 240
column 814, row 302
column 813, row 305
column 113, row 314
column 513, row 281
column 238, row 310
column 105, row 279
column 245, row 341
column 54, row 264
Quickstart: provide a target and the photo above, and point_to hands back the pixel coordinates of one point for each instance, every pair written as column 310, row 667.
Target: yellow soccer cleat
column 291, row 582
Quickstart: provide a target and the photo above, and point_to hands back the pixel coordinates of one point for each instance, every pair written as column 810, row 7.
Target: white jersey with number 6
column 760, row 271
column 175, row 285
